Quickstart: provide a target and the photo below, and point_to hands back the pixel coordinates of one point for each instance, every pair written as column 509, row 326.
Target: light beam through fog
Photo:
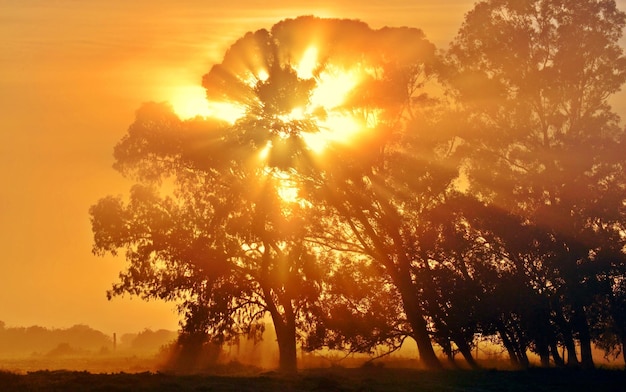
column 362, row 160
column 72, row 75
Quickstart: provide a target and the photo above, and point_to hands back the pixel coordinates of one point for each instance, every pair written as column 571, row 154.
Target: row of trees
column 25, row 341
column 80, row 339
column 485, row 193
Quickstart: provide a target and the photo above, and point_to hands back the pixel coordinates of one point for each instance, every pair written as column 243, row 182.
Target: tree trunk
column 541, row 331
column 424, row 345
column 516, row 350
column 544, row 358
column 543, row 348
column 419, row 327
column 586, row 356
column 619, row 318
column 572, row 356
column 520, row 346
column 288, row 361
column 466, row 351
column 189, row 350
column 285, row 328
column 507, row 344
column 554, row 350
column 286, row 339
column 523, row 358
column 401, row 279
column 623, row 340
column 446, row 347
column 568, row 339
column 581, row 325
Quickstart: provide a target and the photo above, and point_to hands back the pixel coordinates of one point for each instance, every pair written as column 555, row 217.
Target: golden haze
column 71, row 76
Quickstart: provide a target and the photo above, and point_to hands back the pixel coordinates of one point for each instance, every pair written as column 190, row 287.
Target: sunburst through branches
column 307, row 98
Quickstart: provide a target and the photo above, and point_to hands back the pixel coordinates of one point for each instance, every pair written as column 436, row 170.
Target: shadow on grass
column 328, row 379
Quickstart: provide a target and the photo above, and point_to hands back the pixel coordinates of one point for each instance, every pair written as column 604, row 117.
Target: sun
column 190, row 101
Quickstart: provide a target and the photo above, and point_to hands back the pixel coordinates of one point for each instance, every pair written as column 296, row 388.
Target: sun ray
column 333, row 87
column 306, row 68
column 226, row 111
column 336, row 128
column 265, row 151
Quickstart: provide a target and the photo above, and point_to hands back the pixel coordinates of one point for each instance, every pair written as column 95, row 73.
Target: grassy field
column 329, row 379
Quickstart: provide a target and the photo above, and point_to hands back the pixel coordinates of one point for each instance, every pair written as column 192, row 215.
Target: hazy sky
column 72, row 73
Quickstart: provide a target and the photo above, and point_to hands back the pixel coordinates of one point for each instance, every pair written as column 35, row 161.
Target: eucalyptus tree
column 335, row 138
column 398, row 167
column 218, row 219
column 370, row 159
column 532, row 80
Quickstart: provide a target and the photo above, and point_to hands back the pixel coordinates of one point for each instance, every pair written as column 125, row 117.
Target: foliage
column 482, row 195
column 542, row 142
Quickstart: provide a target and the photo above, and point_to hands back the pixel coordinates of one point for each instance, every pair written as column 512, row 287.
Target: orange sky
column 72, row 73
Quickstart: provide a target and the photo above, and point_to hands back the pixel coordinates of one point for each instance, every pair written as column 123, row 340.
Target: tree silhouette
column 367, row 182
column 356, row 200
column 381, row 184
column 533, row 80
column 220, row 241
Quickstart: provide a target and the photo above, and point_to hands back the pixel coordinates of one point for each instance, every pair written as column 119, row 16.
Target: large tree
column 380, row 167
column 532, row 80
column 400, row 167
column 225, row 212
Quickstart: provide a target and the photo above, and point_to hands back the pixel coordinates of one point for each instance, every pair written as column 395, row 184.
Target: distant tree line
column 78, row 339
column 484, row 195
column 15, row 341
